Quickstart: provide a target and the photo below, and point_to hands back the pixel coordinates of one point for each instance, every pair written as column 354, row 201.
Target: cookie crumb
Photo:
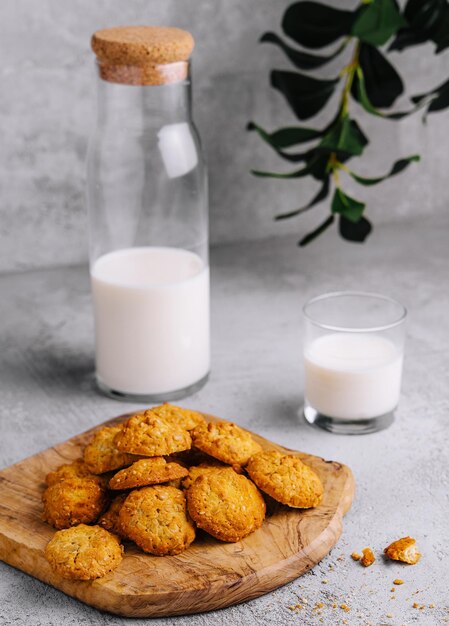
column 398, row 581
column 355, row 556
column 345, row 607
column 368, row 557
column 404, row 550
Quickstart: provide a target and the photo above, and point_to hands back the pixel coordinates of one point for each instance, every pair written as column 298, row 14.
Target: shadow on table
column 54, row 368
column 286, row 412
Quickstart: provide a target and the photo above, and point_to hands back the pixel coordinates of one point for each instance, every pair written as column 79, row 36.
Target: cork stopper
column 143, row 55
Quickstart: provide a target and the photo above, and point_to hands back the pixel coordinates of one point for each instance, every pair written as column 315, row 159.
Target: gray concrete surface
column 47, row 395
column 47, row 106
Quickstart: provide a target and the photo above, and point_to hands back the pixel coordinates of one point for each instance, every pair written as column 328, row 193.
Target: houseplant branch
column 369, row 79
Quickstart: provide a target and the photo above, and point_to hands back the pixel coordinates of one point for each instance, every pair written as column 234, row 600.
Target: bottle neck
column 140, row 106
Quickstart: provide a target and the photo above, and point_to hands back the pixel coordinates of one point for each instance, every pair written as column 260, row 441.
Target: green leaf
column 317, row 232
column 433, row 92
column 441, row 37
column 359, row 93
column 302, row 60
column 425, row 14
column 305, row 171
column 440, row 102
column 426, row 21
column 356, row 232
column 321, row 195
column 345, row 138
column 436, row 99
column 377, row 21
column 318, row 166
column 305, row 95
column 382, row 82
column 345, row 205
column 397, row 167
column 288, row 156
column 286, row 137
column 315, row 25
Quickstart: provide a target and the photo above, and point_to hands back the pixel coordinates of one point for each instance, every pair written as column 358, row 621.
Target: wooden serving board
column 209, row 575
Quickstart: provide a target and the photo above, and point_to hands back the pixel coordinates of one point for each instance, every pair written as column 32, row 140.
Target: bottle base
column 347, row 426
column 150, row 398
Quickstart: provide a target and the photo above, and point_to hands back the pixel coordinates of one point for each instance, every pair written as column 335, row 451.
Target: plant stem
column 336, row 177
column 333, row 164
column 350, row 72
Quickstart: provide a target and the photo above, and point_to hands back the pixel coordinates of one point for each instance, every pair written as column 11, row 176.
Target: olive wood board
column 209, row 575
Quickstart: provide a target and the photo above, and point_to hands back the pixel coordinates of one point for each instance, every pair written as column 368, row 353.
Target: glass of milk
column 353, row 355
column 148, row 220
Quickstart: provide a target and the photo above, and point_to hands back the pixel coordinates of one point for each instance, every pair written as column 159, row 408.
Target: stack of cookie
column 155, row 479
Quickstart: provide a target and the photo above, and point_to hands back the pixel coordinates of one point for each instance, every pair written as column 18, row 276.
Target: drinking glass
column 353, row 356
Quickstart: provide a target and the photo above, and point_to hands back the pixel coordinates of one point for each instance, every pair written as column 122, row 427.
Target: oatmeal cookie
column 109, row 519
column 203, row 468
column 226, row 442
column 185, row 418
column 286, row 479
column 149, row 435
column 225, row 504
column 147, row 472
column 403, row 550
column 83, row 552
column 73, row 501
column 156, row 519
column 206, row 467
column 101, row 454
column 77, row 469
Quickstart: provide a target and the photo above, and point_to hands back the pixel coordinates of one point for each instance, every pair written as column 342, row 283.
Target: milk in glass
column 352, row 375
column 151, row 307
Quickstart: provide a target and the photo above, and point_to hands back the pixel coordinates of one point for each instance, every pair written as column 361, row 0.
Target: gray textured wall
column 47, row 104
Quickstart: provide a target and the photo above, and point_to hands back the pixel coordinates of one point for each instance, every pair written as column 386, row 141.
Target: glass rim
column 362, row 294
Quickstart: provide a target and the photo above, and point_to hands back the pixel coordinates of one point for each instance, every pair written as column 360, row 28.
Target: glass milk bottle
column 148, row 216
